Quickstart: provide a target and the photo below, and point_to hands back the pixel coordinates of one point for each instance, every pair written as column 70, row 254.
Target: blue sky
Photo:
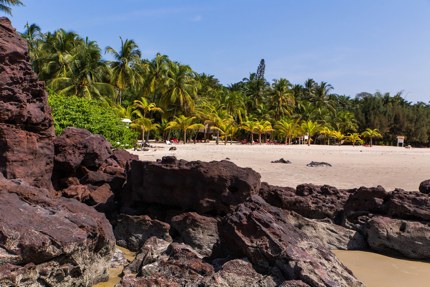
column 356, row 46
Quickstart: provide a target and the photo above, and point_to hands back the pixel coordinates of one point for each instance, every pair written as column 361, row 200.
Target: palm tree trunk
column 217, row 136
column 185, row 136
column 252, row 138
column 259, row 138
column 143, row 135
column 370, row 141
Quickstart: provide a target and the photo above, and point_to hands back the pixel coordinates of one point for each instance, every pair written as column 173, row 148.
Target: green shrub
column 93, row 115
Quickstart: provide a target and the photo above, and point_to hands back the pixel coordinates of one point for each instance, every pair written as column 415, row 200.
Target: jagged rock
column 328, row 234
column 131, row 232
column 311, row 201
column 26, row 125
column 196, row 186
column 79, row 147
column 152, row 251
column 179, row 265
column 260, row 232
column 317, row 164
column 50, row 241
column 408, row 238
column 200, row 232
column 281, row 160
column 86, row 162
column 425, row 186
column 410, row 205
column 238, row 273
column 365, row 200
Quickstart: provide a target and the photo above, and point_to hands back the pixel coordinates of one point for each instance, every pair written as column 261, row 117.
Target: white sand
column 391, row 167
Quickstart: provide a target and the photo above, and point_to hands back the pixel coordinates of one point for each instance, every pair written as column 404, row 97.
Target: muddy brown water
column 115, row 273
column 376, row 270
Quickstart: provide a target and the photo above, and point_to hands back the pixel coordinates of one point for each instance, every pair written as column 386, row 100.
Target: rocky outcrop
column 50, row 241
column 26, row 126
column 399, row 237
column 260, row 232
column 407, row 205
column 311, row 201
column 88, row 169
column 204, row 187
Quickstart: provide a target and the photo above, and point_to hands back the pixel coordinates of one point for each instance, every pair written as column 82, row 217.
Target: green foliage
column 93, row 115
column 5, row 5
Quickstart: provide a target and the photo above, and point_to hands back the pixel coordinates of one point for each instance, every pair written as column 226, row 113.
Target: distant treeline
column 165, row 98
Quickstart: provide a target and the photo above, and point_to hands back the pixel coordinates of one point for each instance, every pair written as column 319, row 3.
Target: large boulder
column 393, row 236
column 50, row 241
column 365, row 200
column 425, row 186
column 26, row 125
column 262, row 233
column 204, row 187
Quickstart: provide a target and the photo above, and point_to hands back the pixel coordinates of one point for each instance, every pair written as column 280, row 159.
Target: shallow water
column 376, row 270
column 115, row 273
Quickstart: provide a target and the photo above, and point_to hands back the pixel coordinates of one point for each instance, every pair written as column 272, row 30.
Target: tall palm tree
column 371, row 134
column 183, row 123
column 85, row 74
column 141, row 122
column 124, row 67
column 155, row 77
column 281, row 98
column 310, row 128
column 5, row 5
column 181, row 89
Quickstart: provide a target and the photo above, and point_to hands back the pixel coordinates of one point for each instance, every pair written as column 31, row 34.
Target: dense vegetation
column 165, row 98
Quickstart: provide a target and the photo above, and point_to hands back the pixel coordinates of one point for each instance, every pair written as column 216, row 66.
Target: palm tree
column 146, row 107
column 287, row 128
column 354, row 138
column 339, row 136
column 85, row 74
column 141, row 122
column 250, row 126
column 281, row 98
column 183, row 123
column 156, row 76
column 262, row 127
column 310, row 128
column 5, row 5
column 327, row 132
column 181, row 88
column 371, row 134
column 124, row 67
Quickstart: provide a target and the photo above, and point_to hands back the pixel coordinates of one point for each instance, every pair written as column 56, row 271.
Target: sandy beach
column 390, row 167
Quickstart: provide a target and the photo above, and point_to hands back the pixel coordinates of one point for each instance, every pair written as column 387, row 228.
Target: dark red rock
column 79, row 192
column 26, row 126
column 198, row 186
column 260, row 232
column 394, row 236
column 199, row 232
column 365, row 200
column 425, row 186
column 78, row 147
column 410, row 205
column 102, row 198
column 122, row 157
column 311, row 201
column 148, row 282
column 131, row 232
column 55, row 240
column 294, row 283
